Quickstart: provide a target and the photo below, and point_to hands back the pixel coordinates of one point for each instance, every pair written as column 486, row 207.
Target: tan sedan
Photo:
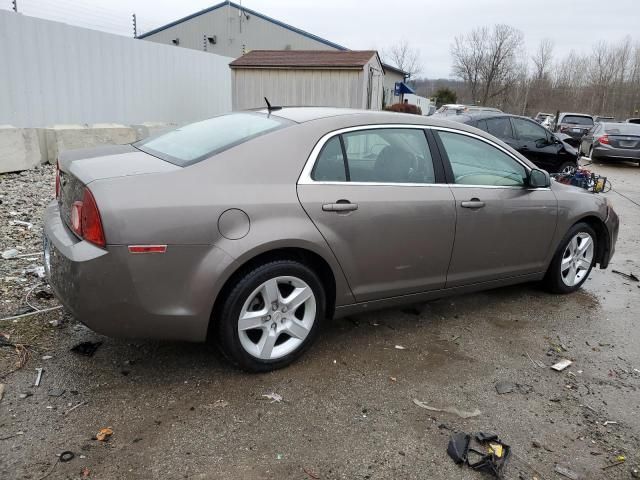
column 250, row 229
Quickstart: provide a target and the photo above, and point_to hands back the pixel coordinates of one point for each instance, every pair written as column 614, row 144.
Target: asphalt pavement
column 346, row 410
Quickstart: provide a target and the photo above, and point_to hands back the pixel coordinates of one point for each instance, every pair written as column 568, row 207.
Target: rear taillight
column 57, row 180
column 91, row 223
column 604, row 139
column 85, row 219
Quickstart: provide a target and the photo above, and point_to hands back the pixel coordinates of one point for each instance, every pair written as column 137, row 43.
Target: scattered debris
column 609, row 422
column 25, row 395
column 628, row 276
column 104, row 434
column 74, row 407
column 279, row 456
column 85, row 472
column 509, row 387
column 393, row 379
column 485, row 452
column 400, row 347
column 56, row 393
column 561, row 365
column 86, row 348
column 310, row 473
column 620, row 459
column 452, row 410
column 67, row 456
column 1, row 391
column 37, row 271
column 566, row 472
column 635, row 473
column 274, row 397
column 29, row 225
column 11, row 253
column 38, row 377
column 47, row 357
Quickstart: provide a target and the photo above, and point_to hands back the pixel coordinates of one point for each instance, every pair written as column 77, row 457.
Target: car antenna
column 270, row 108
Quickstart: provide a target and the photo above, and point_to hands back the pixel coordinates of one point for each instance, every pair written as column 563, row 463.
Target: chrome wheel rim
column 577, row 259
column 277, row 318
column 568, row 170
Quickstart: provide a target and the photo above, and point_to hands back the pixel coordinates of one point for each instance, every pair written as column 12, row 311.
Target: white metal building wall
column 53, row 73
column 234, row 33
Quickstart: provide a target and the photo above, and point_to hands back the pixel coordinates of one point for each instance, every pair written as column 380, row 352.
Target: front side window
column 528, row 131
column 500, row 127
column 388, row 155
column 195, row 142
column 475, row 162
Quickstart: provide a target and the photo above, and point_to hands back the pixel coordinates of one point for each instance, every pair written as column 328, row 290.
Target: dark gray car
column 612, row 141
column 250, row 229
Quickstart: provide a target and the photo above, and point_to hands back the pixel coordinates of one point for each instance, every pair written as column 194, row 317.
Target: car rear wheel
column 573, row 260
column 271, row 316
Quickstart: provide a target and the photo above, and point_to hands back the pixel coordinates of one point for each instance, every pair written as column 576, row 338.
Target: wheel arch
column 303, row 255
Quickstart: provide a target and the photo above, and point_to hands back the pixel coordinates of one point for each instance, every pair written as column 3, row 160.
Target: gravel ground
column 347, row 408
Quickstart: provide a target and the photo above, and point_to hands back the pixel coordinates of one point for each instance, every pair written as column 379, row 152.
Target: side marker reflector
column 147, row 248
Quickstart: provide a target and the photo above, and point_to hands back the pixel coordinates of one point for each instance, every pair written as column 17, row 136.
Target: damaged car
column 251, row 229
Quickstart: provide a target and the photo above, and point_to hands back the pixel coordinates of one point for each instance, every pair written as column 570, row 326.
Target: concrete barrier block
column 69, row 137
column 147, row 129
column 19, row 149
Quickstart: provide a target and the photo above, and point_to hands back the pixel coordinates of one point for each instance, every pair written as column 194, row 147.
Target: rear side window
column 500, row 127
column 195, row 142
column 392, row 155
column 577, row 120
column 330, row 164
column 622, row 129
column 381, row 155
column 529, row 131
column 475, row 162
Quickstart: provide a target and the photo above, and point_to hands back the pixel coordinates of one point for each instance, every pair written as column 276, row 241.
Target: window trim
column 515, row 130
column 438, row 156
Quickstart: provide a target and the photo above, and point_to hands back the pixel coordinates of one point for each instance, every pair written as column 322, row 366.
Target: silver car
column 251, row 229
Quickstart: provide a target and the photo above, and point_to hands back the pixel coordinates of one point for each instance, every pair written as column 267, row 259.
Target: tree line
column 491, row 67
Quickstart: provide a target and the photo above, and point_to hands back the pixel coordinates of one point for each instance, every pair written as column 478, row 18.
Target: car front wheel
column 271, row 316
column 568, row 168
column 573, row 260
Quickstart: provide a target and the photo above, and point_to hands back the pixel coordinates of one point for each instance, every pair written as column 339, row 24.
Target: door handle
column 340, row 206
column 473, row 203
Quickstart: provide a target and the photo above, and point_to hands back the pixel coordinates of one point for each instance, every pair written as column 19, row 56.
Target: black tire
column 226, row 323
column 553, row 281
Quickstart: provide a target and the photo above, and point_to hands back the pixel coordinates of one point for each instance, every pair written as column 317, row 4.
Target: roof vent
column 176, row 41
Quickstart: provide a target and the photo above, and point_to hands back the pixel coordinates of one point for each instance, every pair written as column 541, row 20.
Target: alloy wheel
column 577, row 259
column 277, row 317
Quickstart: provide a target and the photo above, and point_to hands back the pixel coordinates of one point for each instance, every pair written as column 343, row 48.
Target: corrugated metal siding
column 331, row 88
column 254, row 33
column 53, row 73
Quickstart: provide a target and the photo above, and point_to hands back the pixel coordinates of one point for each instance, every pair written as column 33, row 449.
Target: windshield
column 577, row 120
column 195, row 142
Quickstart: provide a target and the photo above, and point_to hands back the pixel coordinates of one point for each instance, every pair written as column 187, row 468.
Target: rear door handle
column 473, row 203
column 340, row 206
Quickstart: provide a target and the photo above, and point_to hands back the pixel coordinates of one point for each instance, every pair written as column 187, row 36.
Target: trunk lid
column 79, row 168
column 631, row 142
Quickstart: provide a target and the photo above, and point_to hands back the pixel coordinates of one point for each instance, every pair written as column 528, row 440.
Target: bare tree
column 542, row 59
column 405, row 57
column 487, row 60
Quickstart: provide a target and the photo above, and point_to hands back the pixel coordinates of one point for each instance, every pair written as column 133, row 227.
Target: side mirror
column 539, row 179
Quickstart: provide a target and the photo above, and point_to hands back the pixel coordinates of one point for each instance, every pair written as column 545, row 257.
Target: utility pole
column 15, row 5
column 135, row 26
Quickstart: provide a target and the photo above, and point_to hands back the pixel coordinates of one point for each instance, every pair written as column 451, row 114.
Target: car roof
column 565, row 114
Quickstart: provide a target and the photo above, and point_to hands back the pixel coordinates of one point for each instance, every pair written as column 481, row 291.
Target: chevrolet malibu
column 251, row 229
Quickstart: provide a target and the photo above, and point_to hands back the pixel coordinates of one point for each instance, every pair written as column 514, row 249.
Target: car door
column 501, row 127
column 503, row 229
column 535, row 143
column 380, row 201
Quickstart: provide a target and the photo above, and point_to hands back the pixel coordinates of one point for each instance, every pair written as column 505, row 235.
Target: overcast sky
column 428, row 25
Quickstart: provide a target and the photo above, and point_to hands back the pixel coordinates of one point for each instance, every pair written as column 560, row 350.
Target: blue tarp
column 401, row 88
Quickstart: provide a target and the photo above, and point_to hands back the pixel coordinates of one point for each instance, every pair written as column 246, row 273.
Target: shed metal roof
column 304, row 59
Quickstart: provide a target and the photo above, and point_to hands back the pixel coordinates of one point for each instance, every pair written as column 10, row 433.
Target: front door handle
column 473, row 203
column 340, row 206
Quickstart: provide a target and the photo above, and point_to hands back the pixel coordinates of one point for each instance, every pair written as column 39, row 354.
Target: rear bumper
column 602, row 152
column 161, row 296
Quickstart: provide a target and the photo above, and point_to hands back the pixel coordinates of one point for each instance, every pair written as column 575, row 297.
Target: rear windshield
column 577, row 120
column 195, row 142
column 622, row 129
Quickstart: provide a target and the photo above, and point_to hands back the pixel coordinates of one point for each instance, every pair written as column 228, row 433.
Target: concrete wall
column 236, row 34
column 19, row 148
column 53, row 73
